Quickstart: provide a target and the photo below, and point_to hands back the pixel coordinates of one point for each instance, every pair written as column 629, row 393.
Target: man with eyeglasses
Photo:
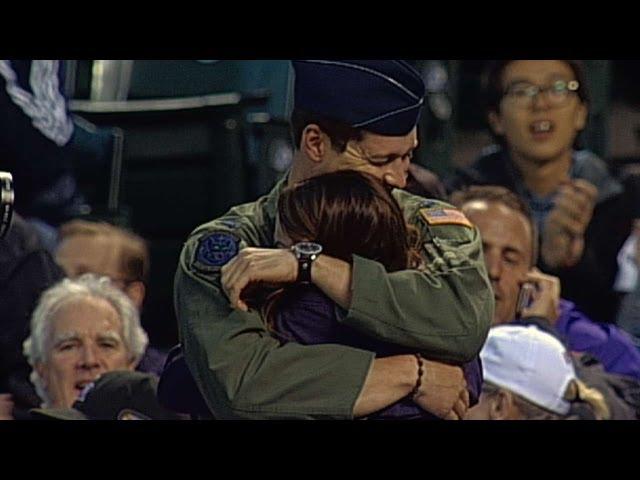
column 536, row 109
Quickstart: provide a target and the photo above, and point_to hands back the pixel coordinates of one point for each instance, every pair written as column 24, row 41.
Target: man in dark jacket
column 536, row 108
column 45, row 147
column 37, row 143
column 26, row 270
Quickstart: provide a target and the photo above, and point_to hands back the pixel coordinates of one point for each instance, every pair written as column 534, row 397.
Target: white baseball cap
column 530, row 363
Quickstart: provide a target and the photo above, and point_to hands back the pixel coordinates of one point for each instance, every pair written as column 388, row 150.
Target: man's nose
column 540, row 101
column 494, row 267
column 396, row 175
column 89, row 358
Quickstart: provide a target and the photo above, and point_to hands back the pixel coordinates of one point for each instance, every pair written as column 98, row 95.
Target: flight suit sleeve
column 445, row 309
column 241, row 370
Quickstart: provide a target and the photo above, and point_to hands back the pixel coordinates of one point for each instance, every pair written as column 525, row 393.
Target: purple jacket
column 152, row 361
column 612, row 346
column 306, row 315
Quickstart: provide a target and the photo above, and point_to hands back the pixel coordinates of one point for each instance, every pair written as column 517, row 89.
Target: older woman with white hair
column 80, row 329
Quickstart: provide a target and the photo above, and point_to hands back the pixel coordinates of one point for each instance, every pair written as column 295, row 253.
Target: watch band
column 306, row 253
column 304, row 270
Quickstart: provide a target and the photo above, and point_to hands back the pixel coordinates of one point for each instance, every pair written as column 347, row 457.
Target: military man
column 357, row 115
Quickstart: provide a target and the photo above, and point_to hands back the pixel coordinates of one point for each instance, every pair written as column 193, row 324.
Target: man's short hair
column 339, row 133
column 88, row 285
column 133, row 251
column 503, row 196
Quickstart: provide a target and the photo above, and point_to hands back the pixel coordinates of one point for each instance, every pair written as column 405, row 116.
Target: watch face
column 308, row 248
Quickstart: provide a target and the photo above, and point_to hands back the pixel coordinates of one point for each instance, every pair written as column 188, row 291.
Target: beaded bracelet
column 416, row 388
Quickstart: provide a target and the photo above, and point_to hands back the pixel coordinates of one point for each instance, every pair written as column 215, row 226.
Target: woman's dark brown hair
column 348, row 213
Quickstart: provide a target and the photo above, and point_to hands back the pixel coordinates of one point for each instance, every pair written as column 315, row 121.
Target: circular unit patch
column 216, row 250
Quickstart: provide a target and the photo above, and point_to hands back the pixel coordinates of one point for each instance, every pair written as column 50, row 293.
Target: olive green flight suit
column 443, row 311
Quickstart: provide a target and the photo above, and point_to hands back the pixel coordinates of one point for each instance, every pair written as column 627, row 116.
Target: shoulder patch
column 215, row 250
column 428, row 204
column 445, row 216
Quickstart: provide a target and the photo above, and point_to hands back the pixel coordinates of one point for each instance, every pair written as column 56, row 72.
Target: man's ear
column 314, row 142
column 133, row 363
column 42, row 373
column 136, row 291
column 502, row 406
column 495, row 122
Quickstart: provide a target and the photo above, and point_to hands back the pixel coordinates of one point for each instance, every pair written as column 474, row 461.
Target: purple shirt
column 612, row 346
column 152, row 361
column 306, row 315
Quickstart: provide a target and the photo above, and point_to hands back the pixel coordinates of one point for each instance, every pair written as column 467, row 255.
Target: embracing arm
column 243, row 372
column 445, row 312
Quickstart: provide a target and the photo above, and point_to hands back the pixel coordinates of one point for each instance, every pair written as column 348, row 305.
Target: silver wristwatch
column 306, row 253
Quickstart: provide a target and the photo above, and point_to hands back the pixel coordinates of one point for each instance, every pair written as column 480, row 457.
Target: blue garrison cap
column 380, row 96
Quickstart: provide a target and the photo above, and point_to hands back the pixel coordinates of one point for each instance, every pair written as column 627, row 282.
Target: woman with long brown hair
column 348, row 213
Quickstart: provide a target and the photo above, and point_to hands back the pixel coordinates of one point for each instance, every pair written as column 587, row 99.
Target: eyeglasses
column 522, row 94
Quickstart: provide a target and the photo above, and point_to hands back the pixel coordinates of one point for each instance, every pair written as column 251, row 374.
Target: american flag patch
column 445, row 216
